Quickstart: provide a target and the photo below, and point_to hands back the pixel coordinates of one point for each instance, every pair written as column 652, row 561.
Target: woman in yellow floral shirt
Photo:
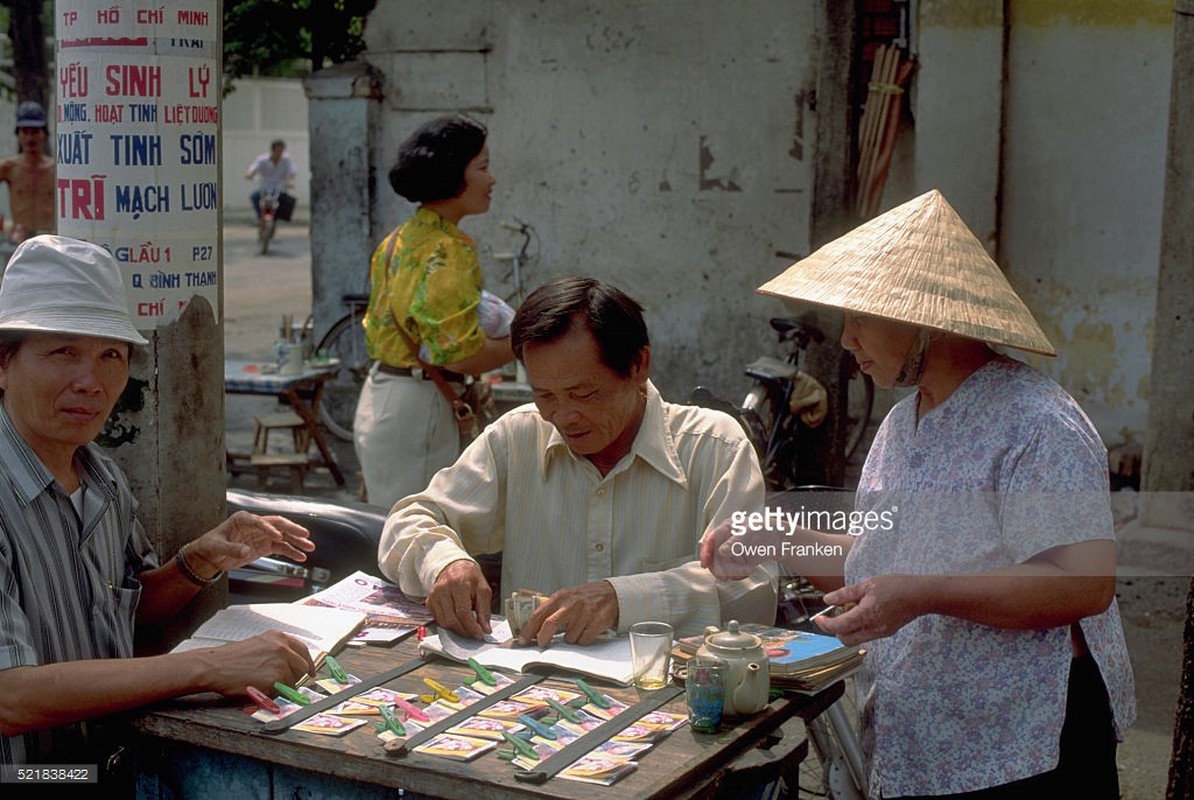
column 425, row 277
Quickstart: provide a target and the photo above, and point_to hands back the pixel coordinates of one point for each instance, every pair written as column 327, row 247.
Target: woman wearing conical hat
column 981, row 572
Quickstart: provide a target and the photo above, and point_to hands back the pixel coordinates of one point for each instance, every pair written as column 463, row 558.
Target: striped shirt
column 68, row 582
column 520, row 490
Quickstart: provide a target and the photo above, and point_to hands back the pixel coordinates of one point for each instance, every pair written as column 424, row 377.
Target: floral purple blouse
column 1007, row 467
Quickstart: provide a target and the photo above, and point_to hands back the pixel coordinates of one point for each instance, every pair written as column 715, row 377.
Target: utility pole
column 138, row 152
column 1168, row 459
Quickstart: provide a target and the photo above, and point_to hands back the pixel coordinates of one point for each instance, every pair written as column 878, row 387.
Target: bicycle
column 276, row 205
column 345, row 342
column 779, row 434
column 518, row 259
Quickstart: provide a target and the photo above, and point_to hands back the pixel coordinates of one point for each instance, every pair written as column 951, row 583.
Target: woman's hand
column 880, row 606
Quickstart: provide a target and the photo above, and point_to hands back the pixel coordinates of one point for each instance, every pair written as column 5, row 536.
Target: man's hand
column 717, row 556
column 258, row 661
column 244, row 537
column 459, row 600
column 583, row 612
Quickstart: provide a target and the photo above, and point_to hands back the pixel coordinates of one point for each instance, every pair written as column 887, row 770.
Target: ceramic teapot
column 747, row 679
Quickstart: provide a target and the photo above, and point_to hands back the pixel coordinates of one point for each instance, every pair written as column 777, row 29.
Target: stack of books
column 801, row 661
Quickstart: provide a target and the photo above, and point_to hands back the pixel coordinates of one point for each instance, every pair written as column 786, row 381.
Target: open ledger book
column 321, row 629
column 605, row 658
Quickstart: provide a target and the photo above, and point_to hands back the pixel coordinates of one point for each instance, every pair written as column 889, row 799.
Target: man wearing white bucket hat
column 76, row 569
column 996, row 663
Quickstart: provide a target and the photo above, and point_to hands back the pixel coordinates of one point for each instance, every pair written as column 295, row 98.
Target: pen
column 292, row 694
column 261, row 699
column 337, row 671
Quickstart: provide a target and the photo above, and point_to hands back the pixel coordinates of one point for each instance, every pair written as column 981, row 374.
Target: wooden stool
column 264, row 423
column 297, row 463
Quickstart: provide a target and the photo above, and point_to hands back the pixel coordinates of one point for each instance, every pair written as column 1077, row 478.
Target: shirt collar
column 653, row 444
column 29, row 475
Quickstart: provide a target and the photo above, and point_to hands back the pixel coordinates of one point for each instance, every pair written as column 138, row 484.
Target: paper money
column 519, row 606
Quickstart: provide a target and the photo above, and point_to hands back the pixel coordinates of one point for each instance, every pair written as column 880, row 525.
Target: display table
column 206, row 746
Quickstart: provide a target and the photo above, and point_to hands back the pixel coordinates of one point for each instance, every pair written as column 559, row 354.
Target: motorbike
column 346, row 536
column 785, row 405
column 276, row 205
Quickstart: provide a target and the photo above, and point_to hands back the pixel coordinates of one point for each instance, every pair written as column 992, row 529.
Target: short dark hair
column 431, row 162
column 613, row 317
column 277, row 143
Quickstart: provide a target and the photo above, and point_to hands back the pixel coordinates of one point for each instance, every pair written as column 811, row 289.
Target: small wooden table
column 303, row 391
column 205, row 746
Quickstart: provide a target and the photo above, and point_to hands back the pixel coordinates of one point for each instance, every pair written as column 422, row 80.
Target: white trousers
column 404, row 432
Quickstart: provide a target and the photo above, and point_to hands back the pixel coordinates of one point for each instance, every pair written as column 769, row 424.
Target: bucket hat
column 917, row 263
column 30, row 114
column 58, row 285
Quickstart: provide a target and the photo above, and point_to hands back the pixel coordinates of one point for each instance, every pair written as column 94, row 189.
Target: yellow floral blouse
column 432, row 286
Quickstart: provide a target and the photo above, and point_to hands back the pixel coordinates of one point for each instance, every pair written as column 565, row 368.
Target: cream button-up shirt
column 520, row 490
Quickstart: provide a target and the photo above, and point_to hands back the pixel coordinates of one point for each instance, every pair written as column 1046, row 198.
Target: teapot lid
column 734, row 639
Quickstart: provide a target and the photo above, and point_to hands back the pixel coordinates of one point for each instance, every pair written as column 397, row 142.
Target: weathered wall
column 258, row 111
column 663, row 146
column 1058, row 168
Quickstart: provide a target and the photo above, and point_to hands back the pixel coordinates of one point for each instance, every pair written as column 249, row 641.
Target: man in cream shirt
column 596, row 495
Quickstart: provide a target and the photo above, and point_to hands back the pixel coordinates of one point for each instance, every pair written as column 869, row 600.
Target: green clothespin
column 484, row 675
column 563, row 711
column 337, row 671
column 521, row 746
column 595, row 697
column 392, row 721
column 293, row 695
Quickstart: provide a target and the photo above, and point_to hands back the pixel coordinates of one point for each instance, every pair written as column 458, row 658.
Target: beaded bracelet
column 189, row 573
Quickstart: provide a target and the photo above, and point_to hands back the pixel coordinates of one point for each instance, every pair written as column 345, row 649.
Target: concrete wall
column 258, row 111
column 663, row 146
column 1058, row 167
column 666, row 146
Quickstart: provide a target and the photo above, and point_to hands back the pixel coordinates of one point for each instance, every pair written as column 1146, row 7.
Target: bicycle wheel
column 266, row 233
column 344, row 341
column 860, row 400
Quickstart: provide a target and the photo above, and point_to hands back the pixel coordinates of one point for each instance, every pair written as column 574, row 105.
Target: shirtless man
column 30, row 176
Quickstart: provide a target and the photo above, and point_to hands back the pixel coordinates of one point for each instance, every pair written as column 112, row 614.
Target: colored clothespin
column 441, row 691
column 537, row 727
column 392, row 721
column 484, row 675
column 595, row 697
column 522, row 746
column 337, row 671
column 411, row 709
column 563, row 711
column 262, row 700
column 293, row 695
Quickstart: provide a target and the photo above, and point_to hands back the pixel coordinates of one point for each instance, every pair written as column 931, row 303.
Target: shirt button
column 601, row 492
column 599, row 547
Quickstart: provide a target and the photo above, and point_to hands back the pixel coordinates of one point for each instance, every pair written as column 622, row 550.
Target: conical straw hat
column 918, row 263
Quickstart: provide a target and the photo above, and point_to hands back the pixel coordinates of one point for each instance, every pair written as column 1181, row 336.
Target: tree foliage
column 281, row 37
column 28, row 21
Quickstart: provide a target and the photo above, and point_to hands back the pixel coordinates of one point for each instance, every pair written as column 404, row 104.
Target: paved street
column 258, row 290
